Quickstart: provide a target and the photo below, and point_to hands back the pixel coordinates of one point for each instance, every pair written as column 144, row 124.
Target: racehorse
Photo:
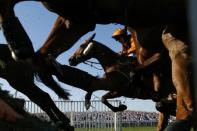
column 76, row 18
column 13, row 115
column 126, row 80
column 20, row 76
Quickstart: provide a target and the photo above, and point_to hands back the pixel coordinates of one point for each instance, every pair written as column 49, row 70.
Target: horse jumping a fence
column 76, row 18
column 123, row 78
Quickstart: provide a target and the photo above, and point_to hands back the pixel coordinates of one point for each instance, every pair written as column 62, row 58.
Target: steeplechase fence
column 97, row 117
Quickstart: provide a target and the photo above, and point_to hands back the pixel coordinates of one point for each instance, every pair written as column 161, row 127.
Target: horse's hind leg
column 162, row 121
column 15, row 35
column 112, row 95
column 181, row 60
column 46, row 103
column 43, row 100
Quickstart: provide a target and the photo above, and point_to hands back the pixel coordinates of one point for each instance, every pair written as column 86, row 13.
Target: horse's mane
column 104, row 48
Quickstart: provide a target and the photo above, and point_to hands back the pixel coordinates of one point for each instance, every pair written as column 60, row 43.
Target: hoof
column 64, row 127
column 179, row 125
column 87, row 105
column 69, row 128
column 122, row 107
column 166, row 107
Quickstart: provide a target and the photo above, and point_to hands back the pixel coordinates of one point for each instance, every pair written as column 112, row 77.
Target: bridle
column 90, row 63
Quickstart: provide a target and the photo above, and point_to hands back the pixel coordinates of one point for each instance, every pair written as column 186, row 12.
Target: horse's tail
column 45, row 76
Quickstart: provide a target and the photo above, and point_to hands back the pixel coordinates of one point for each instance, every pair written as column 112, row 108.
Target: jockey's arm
column 131, row 50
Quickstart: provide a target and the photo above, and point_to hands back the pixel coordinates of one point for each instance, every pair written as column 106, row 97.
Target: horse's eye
column 82, row 46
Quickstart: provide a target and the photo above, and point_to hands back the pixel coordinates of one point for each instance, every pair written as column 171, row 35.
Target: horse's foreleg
column 87, row 100
column 15, row 35
column 162, row 121
column 42, row 99
column 63, row 35
column 156, row 85
column 111, row 95
column 181, row 60
column 156, row 82
column 49, row 107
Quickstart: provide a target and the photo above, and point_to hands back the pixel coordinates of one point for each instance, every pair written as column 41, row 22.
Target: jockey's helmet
column 118, row 32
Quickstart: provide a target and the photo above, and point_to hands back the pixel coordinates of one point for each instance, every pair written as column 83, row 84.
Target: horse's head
column 83, row 53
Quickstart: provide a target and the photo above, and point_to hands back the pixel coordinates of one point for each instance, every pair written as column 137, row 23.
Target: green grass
column 123, row 129
column 139, row 129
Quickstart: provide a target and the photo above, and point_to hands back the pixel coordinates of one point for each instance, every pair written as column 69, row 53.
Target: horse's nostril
column 70, row 61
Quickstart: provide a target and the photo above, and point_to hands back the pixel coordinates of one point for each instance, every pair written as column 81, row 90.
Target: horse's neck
column 105, row 56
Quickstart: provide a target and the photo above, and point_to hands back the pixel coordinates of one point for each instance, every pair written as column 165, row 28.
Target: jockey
column 127, row 41
column 132, row 48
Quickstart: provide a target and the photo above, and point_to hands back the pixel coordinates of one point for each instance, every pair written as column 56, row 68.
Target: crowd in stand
column 106, row 118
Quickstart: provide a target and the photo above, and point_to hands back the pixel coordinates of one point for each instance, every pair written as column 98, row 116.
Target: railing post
column 71, row 115
column 115, row 121
column 120, row 120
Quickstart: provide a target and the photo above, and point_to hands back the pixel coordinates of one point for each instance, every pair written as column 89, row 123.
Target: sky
column 38, row 22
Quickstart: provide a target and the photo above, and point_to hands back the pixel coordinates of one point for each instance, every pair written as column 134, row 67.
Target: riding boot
column 19, row 43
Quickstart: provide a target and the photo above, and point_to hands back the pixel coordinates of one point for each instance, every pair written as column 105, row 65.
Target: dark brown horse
column 126, row 80
column 13, row 116
column 20, row 76
column 76, row 18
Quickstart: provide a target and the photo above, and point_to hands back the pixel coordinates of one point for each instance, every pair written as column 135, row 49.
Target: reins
column 90, row 63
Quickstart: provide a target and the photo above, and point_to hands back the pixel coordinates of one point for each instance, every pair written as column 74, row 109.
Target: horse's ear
column 90, row 38
column 93, row 35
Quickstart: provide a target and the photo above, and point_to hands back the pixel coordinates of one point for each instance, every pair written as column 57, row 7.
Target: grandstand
column 99, row 116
